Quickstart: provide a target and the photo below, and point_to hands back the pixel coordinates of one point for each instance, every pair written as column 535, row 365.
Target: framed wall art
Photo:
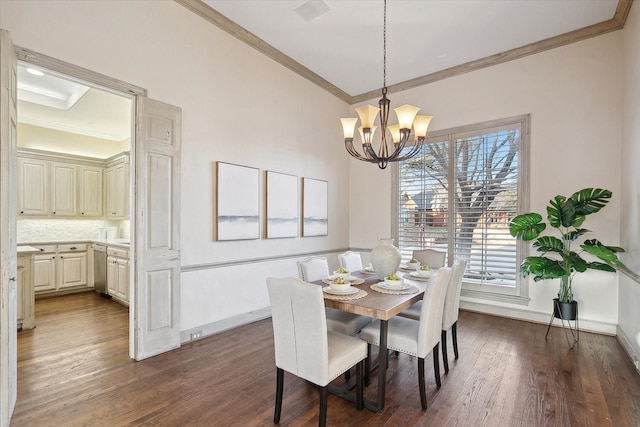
column 281, row 205
column 237, row 202
column 315, row 211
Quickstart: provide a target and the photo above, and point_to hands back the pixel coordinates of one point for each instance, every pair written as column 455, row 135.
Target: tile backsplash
column 43, row 230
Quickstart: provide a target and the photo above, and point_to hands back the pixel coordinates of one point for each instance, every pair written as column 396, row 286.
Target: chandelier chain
column 384, row 47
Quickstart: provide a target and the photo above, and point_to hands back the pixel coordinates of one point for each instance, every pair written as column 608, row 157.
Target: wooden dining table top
column 376, row 304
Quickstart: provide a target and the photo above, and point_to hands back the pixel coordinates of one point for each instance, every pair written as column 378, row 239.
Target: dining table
column 378, row 304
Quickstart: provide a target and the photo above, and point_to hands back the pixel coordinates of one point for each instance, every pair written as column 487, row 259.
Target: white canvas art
column 315, row 210
column 282, row 205
column 237, row 204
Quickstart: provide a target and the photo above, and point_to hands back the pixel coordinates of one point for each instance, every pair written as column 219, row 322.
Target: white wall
column 629, row 294
column 574, row 96
column 238, row 106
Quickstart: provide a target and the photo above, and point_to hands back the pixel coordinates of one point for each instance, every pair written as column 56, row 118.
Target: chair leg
column 359, row 387
column 436, row 364
column 421, row 385
column 445, row 357
column 454, row 336
column 324, row 394
column 367, row 366
column 279, row 389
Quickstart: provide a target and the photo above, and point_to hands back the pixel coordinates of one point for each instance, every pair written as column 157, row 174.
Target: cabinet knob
column 21, row 212
column 54, row 213
column 73, row 248
column 82, row 213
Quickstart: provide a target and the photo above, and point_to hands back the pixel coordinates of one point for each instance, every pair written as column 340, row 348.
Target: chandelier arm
column 414, row 150
column 353, row 152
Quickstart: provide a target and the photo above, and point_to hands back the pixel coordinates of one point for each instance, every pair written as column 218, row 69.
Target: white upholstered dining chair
column 449, row 313
column 350, row 261
column 417, row 337
column 317, row 268
column 431, row 257
column 304, row 347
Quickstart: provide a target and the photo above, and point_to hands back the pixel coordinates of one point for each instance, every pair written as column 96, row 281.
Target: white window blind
column 459, row 194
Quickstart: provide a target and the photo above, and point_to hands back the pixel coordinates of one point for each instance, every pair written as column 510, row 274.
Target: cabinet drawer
column 74, row 247
column 47, row 249
column 117, row 252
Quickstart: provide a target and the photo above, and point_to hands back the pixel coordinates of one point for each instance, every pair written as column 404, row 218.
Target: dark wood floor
column 73, row 370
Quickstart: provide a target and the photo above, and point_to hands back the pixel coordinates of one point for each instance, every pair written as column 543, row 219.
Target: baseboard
column 628, row 345
column 536, row 316
column 224, row 325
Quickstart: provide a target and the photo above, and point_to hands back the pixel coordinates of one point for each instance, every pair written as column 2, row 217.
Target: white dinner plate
column 348, row 279
column 349, row 291
column 419, row 276
column 402, row 287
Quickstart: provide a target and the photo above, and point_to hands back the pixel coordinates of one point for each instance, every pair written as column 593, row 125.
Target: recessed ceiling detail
column 42, row 88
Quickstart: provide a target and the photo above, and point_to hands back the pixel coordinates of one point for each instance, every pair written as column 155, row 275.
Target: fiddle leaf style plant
column 558, row 260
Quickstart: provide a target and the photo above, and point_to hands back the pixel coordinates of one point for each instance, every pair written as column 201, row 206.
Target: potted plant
column 558, row 260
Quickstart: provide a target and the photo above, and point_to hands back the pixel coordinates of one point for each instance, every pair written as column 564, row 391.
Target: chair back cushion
column 431, row 257
column 299, row 328
column 350, row 261
column 431, row 310
column 452, row 300
column 313, row 268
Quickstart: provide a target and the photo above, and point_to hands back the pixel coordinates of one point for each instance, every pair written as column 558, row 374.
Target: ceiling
column 339, row 43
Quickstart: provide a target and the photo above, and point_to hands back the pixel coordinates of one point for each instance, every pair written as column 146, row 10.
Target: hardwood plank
column 74, row 370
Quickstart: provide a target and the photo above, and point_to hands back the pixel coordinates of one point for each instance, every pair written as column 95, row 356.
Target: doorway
column 69, row 124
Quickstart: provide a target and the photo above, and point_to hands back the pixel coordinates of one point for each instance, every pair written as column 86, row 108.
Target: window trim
column 520, row 294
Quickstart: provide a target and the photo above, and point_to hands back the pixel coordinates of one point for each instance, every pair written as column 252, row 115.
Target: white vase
column 385, row 258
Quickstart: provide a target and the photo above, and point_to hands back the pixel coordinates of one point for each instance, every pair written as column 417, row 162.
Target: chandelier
column 400, row 133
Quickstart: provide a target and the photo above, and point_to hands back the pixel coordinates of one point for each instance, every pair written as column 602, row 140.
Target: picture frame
column 315, row 211
column 282, row 205
column 237, row 202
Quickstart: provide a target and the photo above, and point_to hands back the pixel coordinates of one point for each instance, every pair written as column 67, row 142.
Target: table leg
column 382, row 364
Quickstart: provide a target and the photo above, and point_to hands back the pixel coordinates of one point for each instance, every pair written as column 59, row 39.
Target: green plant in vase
column 558, row 259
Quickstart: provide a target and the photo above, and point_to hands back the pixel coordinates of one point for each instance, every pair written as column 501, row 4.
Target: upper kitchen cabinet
column 91, row 194
column 33, row 182
column 54, row 185
column 63, row 189
column 117, row 194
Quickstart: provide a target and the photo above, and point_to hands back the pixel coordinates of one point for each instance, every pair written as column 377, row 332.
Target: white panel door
column 8, row 258
column 33, row 187
column 90, row 191
column 157, row 224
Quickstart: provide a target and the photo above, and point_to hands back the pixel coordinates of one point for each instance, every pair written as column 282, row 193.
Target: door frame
column 66, row 69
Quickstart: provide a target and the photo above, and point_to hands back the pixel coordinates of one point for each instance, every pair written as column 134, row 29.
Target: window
column 458, row 195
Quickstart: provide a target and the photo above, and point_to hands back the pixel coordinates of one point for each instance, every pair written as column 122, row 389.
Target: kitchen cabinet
column 60, row 268
column 24, row 292
column 44, row 271
column 33, row 183
column 117, row 190
column 91, row 184
column 73, row 267
column 63, row 190
column 118, row 274
column 54, row 185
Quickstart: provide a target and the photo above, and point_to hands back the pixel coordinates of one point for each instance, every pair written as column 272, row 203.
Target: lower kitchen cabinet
column 118, row 274
column 24, row 293
column 60, row 268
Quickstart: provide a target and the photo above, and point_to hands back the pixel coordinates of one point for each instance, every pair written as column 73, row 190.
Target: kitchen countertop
column 22, row 246
column 27, row 250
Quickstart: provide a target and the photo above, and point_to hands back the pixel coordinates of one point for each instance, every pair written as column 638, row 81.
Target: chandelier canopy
column 400, row 133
